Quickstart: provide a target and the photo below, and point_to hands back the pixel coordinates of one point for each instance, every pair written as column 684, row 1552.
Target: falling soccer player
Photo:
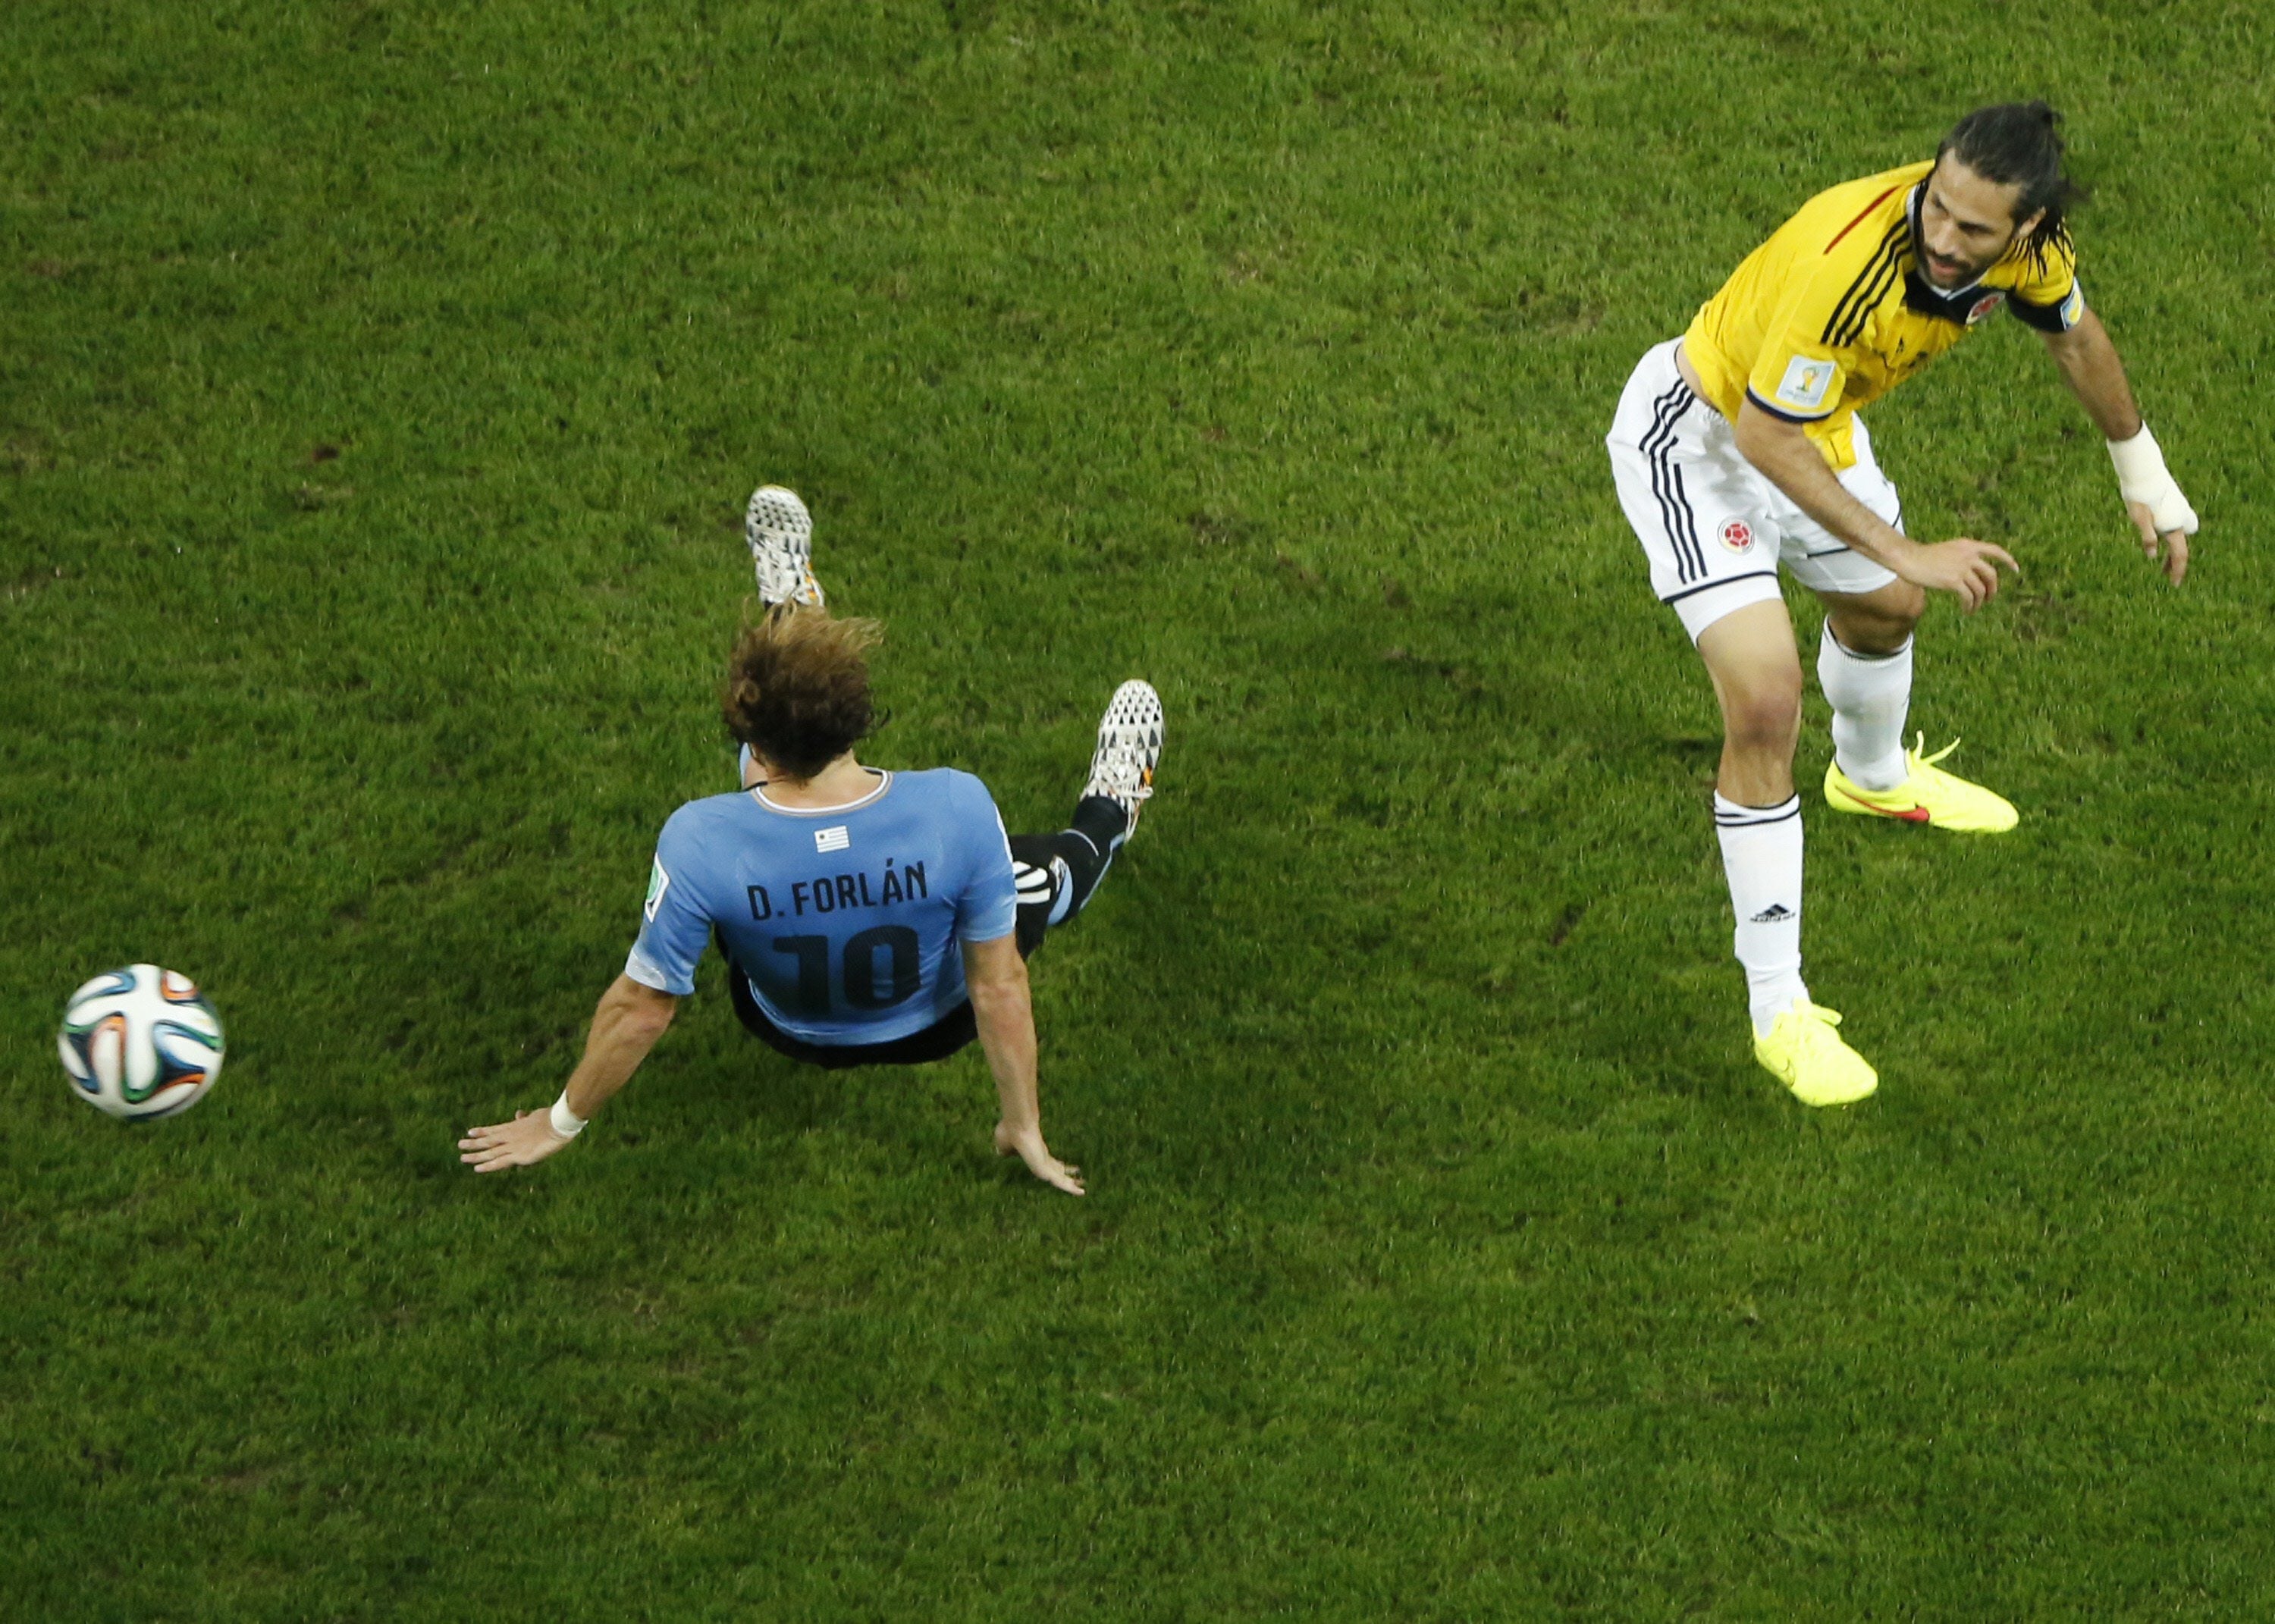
column 868, row 917
column 1737, row 448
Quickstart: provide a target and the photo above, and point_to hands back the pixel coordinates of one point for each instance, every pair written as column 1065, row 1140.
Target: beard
column 1950, row 275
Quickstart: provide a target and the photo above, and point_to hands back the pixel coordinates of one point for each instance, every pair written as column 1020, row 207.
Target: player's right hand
column 1964, row 567
column 1028, row 1147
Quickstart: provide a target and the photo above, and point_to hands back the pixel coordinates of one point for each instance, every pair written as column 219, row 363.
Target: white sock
column 1871, row 695
column 1761, row 857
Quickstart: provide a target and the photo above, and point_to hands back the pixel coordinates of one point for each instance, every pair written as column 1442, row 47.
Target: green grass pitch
column 380, row 383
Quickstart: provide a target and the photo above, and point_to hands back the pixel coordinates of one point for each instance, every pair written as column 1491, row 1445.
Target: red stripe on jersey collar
column 1859, row 220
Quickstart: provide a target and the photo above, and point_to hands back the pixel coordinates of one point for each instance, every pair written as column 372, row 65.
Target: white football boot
column 781, row 534
column 1128, row 748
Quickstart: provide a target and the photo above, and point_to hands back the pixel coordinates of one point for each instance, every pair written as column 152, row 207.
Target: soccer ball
column 141, row 1043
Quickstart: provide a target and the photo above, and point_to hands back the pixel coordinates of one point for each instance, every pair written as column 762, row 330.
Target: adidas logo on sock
column 1776, row 913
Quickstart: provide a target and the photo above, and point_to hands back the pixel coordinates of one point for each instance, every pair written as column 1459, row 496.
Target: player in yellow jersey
column 1737, row 450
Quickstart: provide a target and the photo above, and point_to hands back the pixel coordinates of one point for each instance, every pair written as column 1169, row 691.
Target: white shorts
column 1712, row 525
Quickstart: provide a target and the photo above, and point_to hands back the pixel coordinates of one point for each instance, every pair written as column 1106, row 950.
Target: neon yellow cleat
column 1809, row 1057
column 1929, row 795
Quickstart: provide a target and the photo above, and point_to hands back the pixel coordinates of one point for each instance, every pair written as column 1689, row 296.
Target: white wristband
column 566, row 1122
column 2143, row 477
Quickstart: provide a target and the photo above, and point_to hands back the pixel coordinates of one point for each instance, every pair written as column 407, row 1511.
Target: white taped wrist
column 566, row 1122
column 2140, row 460
column 2143, row 477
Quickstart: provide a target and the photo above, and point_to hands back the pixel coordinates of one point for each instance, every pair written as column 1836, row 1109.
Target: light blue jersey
column 845, row 922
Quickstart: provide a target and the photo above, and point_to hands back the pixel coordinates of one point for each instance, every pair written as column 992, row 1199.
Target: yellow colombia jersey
column 1832, row 310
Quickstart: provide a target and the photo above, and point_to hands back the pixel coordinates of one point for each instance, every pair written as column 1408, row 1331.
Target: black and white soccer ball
column 141, row 1043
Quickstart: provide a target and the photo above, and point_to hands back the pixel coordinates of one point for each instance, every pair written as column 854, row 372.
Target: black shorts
column 937, row 1041
column 943, row 1038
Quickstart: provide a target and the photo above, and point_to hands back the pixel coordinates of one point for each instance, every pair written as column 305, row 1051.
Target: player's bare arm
column 1004, row 1009
column 1790, row 460
column 625, row 1026
column 2090, row 367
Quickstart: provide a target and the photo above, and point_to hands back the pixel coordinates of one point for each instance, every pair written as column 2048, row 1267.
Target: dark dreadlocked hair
column 2015, row 145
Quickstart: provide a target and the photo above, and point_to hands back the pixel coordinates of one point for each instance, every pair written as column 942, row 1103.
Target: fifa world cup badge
column 1806, row 384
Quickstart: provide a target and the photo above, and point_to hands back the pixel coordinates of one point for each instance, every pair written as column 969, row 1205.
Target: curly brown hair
column 798, row 688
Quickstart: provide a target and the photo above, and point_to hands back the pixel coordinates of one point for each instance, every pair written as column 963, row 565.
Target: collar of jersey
column 884, row 783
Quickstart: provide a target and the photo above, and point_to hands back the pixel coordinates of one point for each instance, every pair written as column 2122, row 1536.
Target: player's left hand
column 1028, row 1147
column 528, row 1139
column 2174, row 542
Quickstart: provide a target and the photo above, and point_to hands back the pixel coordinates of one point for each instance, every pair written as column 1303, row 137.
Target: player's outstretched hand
column 529, row 1137
column 1028, row 1147
column 1965, row 567
column 2173, row 543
